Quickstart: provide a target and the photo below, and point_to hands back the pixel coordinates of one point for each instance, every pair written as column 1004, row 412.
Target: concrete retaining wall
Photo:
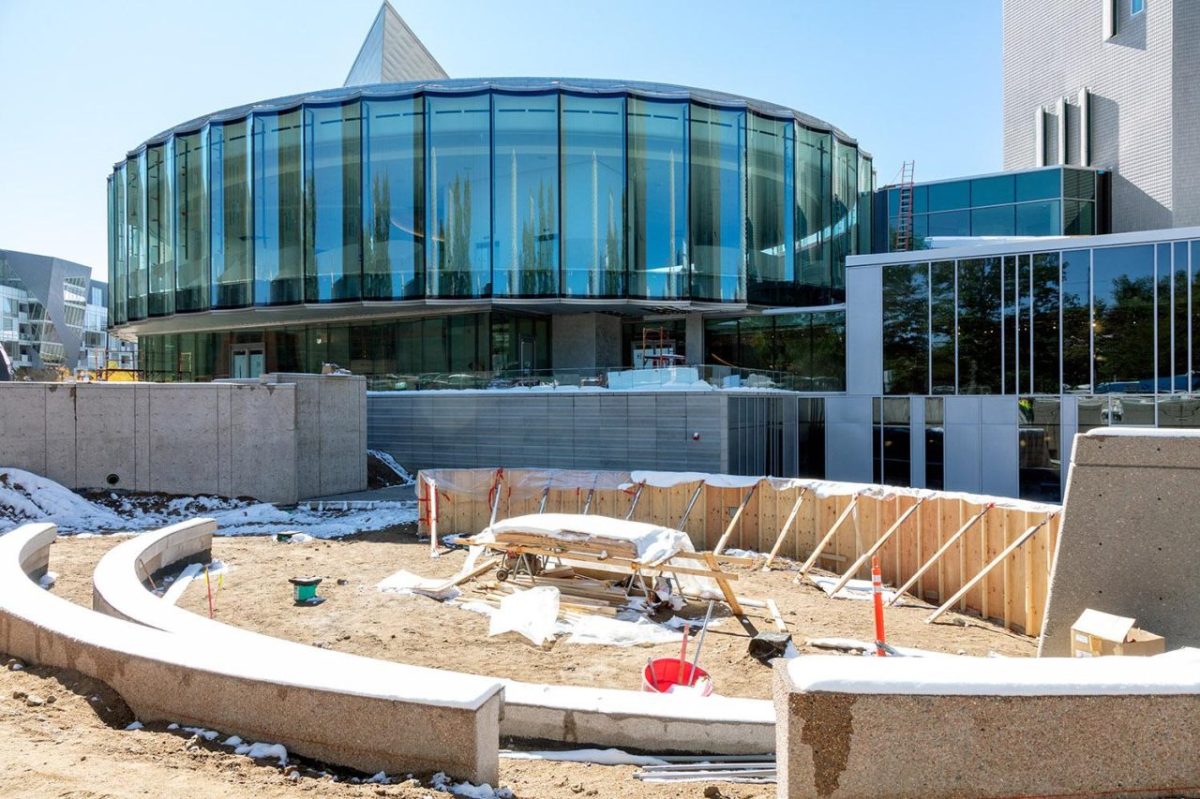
column 900, row 733
column 281, row 440
column 563, row 714
column 356, row 712
column 1129, row 544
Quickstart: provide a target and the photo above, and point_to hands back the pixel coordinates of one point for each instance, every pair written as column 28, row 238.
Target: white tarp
column 652, row 542
column 532, row 613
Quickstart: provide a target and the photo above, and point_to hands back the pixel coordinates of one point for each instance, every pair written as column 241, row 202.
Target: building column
column 694, row 339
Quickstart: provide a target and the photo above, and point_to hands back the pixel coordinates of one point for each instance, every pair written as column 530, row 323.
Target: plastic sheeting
column 532, row 613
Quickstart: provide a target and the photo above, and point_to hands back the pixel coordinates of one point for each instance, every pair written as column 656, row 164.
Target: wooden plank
column 723, row 581
column 720, row 547
column 783, row 531
column 871, row 550
column 950, row 541
column 973, row 557
column 776, row 616
column 808, row 564
column 1008, row 550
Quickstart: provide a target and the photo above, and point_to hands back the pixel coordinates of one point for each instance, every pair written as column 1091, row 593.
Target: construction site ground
column 76, row 746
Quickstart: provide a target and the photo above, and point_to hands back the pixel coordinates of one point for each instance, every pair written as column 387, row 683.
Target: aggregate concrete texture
column 875, row 746
column 1128, row 544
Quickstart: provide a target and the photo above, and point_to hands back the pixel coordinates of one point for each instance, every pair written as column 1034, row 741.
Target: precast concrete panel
column 864, row 330
column 999, row 445
column 849, row 450
column 963, row 449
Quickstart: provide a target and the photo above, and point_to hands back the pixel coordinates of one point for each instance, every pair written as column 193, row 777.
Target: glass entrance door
column 248, row 360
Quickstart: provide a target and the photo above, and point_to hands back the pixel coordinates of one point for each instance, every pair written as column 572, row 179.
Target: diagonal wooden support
column 871, row 550
column 784, row 530
column 942, row 550
column 634, row 502
column 720, row 547
column 816, row 553
column 691, row 503
column 1008, row 550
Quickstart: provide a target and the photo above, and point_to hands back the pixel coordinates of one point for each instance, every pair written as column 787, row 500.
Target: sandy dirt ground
column 75, row 744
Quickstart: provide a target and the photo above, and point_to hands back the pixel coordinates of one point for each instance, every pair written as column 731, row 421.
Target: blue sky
column 83, row 82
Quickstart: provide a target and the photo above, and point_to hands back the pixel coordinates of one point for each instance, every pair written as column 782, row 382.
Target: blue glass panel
column 231, row 232
column 814, row 210
column 845, row 211
column 949, row 196
column 771, row 271
column 658, row 199
column 998, row 220
column 278, row 257
column 1039, row 219
column 160, row 244
column 950, row 223
column 118, row 292
column 525, row 209
column 1042, row 184
column 191, row 222
column 593, row 196
column 333, row 203
column 920, row 199
column 1076, row 321
column 135, row 226
column 718, row 222
column 394, row 199
column 458, row 196
column 992, row 191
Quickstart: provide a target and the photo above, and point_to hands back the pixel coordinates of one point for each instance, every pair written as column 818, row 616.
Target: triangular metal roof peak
column 392, row 53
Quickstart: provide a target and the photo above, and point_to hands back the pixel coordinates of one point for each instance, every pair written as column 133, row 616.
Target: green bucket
column 304, row 589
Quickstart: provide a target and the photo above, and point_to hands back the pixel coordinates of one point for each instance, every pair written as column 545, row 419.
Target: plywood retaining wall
column 1012, row 594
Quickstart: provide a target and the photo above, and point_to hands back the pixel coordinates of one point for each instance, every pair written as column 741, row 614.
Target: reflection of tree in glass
column 906, row 329
column 1124, row 330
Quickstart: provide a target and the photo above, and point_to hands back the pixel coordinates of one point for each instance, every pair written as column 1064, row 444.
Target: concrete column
column 694, row 339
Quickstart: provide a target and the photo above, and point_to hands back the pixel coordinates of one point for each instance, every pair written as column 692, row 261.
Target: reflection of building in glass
column 53, row 315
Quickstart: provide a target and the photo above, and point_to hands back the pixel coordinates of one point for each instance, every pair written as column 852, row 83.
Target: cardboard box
column 1095, row 634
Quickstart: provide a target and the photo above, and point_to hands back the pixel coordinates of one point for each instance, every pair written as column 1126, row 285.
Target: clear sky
column 84, row 81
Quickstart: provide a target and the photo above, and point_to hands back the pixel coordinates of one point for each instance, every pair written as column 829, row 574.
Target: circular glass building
column 477, row 222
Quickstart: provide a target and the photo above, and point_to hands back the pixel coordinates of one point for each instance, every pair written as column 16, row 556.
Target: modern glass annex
column 501, row 189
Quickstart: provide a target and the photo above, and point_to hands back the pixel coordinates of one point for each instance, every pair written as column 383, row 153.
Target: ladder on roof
column 904, row 221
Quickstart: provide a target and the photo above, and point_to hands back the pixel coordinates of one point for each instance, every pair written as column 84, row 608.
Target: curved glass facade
column 495, row 189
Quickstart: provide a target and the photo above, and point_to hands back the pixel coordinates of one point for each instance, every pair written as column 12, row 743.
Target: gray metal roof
column 648, row 90
column 392, row 52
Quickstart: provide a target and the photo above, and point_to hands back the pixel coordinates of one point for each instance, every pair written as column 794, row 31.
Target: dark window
column 810, row 428
column 906, row 329
column 232, row 236
column 892, row 445
column 935, row 443
column 1076, row 320
column 333, row 202
column 1040, row 459
column 771, row 271
column 191, row 222
column 1046, row 344
column 813, row 204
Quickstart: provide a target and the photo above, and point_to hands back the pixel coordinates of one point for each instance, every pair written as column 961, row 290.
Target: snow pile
column 387, row 460
column 261, row 751
column 440, row 782
column 137, row 725
column 25, row 497
column 48, row 580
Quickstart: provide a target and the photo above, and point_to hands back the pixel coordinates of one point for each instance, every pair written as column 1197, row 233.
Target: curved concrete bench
column 960, row 728
column 357, row 712
column 567, row 714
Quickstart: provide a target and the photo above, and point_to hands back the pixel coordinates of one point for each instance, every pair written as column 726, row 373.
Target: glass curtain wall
column 191, row 223
column 811, row 346
column 845, row 213
column 770, row 223
column 459, row 252
column 394, row 199
column 135, row 227
column 593, row 196
column 718, row 223
column 1100, row 320
column 278, row 209
column 333, row 199
column 160, row 249
column 658, row 199
column 814, row 202
column 231, row 250
column 525, row 207
column 119, row 288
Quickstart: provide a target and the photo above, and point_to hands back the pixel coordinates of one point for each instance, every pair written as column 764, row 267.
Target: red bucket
column 661, row 675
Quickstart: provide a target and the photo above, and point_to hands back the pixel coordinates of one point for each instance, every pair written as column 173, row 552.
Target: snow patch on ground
column 26, row 497
column 440, row 782
column 601, row 757
column 261, row 751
